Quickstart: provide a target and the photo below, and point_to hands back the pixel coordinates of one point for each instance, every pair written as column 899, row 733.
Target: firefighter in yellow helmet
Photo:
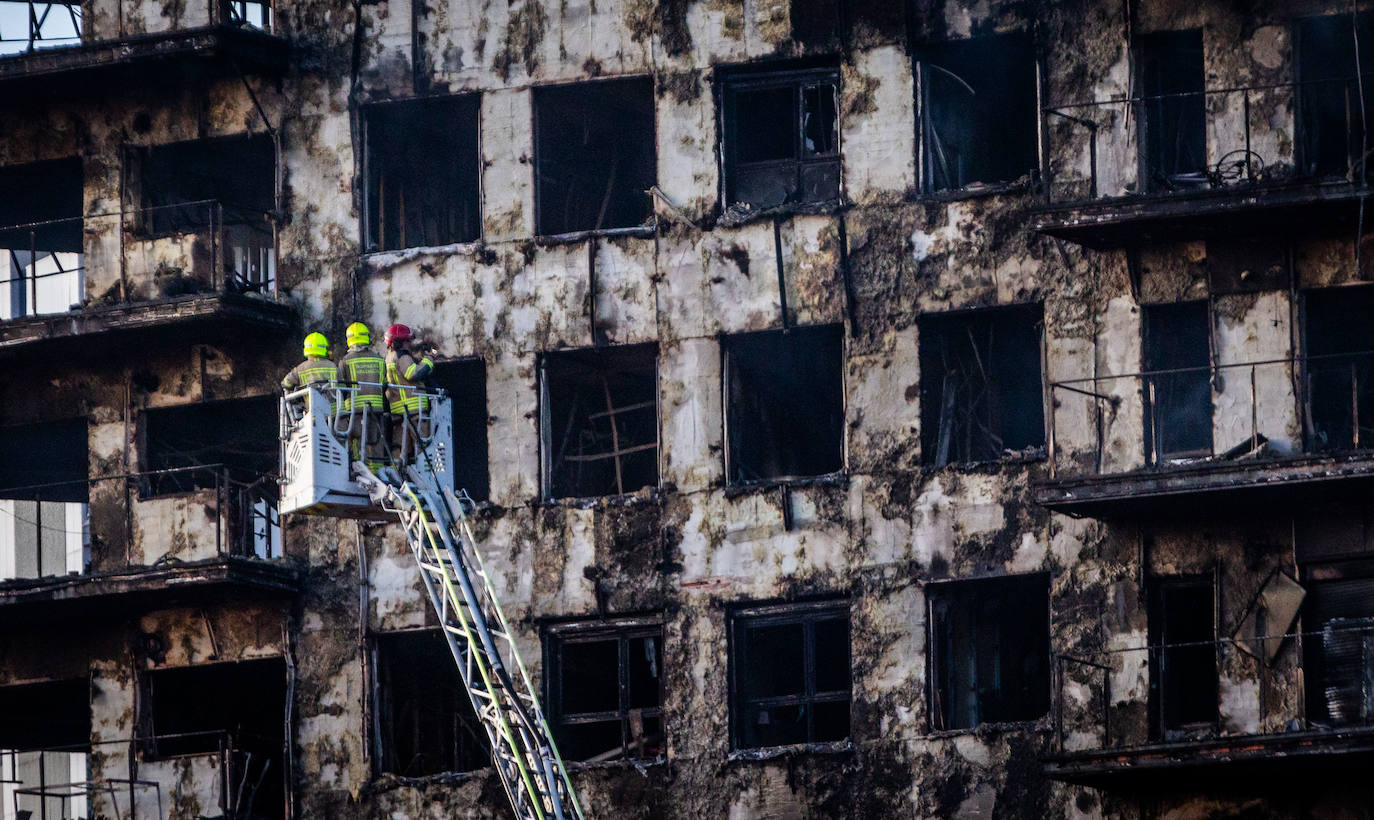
column 365, row 371
column 405, row 371
column 316, row 369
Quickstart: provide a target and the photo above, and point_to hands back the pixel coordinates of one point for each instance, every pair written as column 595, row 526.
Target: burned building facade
column 928, row 409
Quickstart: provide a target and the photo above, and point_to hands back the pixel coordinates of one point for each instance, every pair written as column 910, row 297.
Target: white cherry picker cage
column 317, row 424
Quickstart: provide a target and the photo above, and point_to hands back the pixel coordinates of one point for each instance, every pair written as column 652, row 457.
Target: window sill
column 740, row 214
column 386, row 781
column 1038, row 725
column 1030, row 455
column 638, row 764
column 833, row 748
column 384, row 259
column 642, row 496
column 977, row 191
column 837, row 479
column 645, row 231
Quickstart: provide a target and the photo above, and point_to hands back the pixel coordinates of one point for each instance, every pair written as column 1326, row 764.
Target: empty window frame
column 789, row 674
column 599, row 414
column 981, row 385
column 1329, row 125
column 1339, row 346
column 193, row 446
column 781, row 136
column 27, row 26
column 604, row 684
column 989, row 650
column 1173, row 123
column 1183, row 662
column 594, row 155
column 425, row 722
column 42, row 263
column 423, row 173
column 978, row 122
column 45, row 736
column 784, row 400
column 43, row 493
column 465, row 382
column 1176, row 355
column 225, row 184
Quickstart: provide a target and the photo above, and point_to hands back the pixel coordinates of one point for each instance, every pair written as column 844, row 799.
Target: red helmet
column 397, row 333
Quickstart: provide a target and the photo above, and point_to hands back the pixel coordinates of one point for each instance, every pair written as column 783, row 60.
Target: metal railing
column 27, row 25
column 393, row 438
column 1183, row 416
column 214, row 247
column 1232, row 143
column 1098, row 697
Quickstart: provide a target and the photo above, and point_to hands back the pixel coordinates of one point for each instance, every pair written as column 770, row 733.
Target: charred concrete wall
column 689, row 550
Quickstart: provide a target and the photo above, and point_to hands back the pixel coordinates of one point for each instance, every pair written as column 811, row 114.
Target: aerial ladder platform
column 323, row 474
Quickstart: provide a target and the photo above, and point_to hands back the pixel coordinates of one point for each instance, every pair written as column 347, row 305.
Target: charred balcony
column 50, row 45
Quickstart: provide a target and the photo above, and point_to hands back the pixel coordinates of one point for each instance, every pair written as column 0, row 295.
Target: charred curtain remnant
column 1331, row 134
column 1339, row 342
column 225, row 186
column 41, row 264
column 1173, row 118
column 425, row 722
column 981, row 384
column 789, row 674
column 43, row 490
column 465, row 381
column 977, row 108
column 205, row 444
column 1183, row 665
column 604, row 685
column 599, row 417
column 784, row 396
column 989, row 650
column 234, row 709
column 45, row 740
column 423, row 173
column 1178, row 390
column 593, row 155
column 1335, row 552
column 781, row 136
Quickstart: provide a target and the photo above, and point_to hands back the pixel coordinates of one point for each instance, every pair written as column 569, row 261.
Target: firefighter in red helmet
column 407, row 373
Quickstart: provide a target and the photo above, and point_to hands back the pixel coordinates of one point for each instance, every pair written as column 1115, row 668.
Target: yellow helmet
column 358, row 334
column 316, row 345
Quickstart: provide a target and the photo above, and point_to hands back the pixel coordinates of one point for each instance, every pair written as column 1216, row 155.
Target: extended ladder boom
column 522, row 748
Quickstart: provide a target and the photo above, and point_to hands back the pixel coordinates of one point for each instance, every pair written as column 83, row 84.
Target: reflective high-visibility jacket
column 366, row 369
column 314, row 370
column 404, row 371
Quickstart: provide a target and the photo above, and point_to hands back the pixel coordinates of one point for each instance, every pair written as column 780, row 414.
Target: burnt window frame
column 1158, row 379
column 73, row 731
column 1317, row 365
column 182, row 743
column 763, row 77
column 150, row 220
column 1035, row 451
column 1167, row 105
column 546, row 420
column 479, row 490
column 1162, row 698
column 382, row 704
column 926, row 177
column 727, row 415
column 966, row 588
column 155, row 482
column 803, row 613
column 374, row 234
column 1304, row 161
column 624, row 629
column 538, row 99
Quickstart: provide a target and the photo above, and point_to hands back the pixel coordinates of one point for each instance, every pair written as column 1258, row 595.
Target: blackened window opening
column 1173, row 118
column 203, row 445
column 594, row 155
column 425, row 721
column 977, row 108
column 1331, row 132
column 981, row 386
column 600, row 420
column 816, row 23
column 239, row 708
column 40, row 264
column 465, row 382
column 423, row 172
column 605, row 690
column 1178, row 404
column 990, row 644
column 47, row 461
column 237, row 175
column 782, row 137
column 1338, row 340
column 1338, row 619
column 790, row 670
column 46, row 715
column 1183, row 657
column 784, row 394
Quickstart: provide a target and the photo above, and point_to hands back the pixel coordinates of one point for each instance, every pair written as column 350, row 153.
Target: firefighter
column 316, row 369
column 404, row 373
column 365, row 371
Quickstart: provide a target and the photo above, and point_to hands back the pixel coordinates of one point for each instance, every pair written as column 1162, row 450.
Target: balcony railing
column 1216, row 414
column 26, row 25
column 1231, row 130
